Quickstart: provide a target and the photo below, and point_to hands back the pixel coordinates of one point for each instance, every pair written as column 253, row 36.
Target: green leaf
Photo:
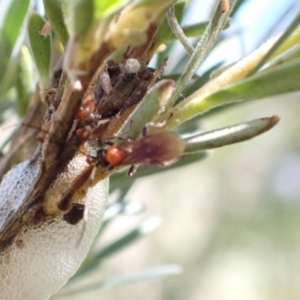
column 164, row 33
column 229, row 135
column 9, row 33
column 198, row 82
column 203, row 47
column 147, row 109
column 137, row 17
column 278, row 80
column 289, row 55
column 83, row 17
column 41, row 48
column 55, row 16
column 87, row 22
column 289, row 38
column 107, row 7
column 24, row 81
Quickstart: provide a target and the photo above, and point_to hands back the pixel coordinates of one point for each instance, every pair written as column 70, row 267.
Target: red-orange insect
column 161, row 148
column 87, row 108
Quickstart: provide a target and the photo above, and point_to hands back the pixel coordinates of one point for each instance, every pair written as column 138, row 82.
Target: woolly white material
column 14, row 187
column 42, row 259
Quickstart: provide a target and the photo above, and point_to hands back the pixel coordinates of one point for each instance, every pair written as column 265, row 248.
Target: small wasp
column 161, row 148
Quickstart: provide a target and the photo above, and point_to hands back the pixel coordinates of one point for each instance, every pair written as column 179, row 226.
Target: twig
column 203, row 47
column 177, row 30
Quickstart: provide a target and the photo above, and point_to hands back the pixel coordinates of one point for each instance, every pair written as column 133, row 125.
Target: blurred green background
column 232, row 220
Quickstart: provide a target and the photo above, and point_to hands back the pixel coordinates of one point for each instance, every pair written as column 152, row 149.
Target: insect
column 75, row 215
column 161, row 148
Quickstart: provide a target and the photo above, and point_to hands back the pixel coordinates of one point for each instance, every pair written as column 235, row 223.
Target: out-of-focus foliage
column 194, row 95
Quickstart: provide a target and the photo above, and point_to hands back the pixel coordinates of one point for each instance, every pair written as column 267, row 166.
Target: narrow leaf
column 55, row 16
column 275, row 81
column 10, row 30
column 155, row 100
column 280, row 80
column 229, row 135
column 41, row 48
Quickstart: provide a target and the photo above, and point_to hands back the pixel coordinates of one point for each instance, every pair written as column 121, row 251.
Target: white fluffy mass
column 42, row 259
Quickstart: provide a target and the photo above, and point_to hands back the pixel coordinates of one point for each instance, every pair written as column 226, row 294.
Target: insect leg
column 152, row 124
column 132, row 170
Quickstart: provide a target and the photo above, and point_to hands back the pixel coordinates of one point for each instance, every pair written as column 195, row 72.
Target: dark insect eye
column 75, row 215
